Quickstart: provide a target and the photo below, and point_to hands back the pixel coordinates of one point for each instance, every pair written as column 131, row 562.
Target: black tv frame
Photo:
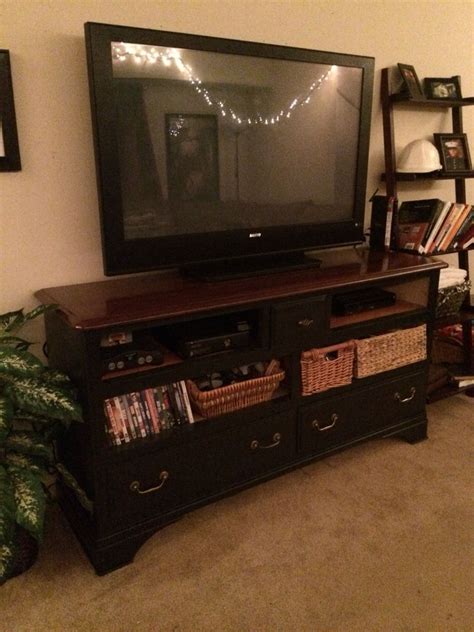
column 122, row 256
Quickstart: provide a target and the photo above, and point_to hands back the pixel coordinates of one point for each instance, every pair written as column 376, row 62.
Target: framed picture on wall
column 411, row 83
column 454, row 152
column 442, row 88
column 9, row 147
column 192, row 157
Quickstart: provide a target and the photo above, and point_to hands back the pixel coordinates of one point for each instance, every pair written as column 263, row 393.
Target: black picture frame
column 192, row 156
column 454, row 152
column 438, row 88
column 9, row 146
column 411, row 83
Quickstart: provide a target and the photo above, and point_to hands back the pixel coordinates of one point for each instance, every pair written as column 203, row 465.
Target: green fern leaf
column 35, row 397
column 6, row 416
column 29, row 443
column 30, row 500
column 7, row 507
column 19, row 363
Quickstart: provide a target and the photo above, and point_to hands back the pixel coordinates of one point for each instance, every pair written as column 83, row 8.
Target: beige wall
column 49, row 219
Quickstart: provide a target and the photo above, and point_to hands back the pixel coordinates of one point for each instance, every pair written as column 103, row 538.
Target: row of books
column 147, row 412
column 435, row 226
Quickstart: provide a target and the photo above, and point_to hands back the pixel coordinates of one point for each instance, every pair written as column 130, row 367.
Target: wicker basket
column 389, row 351
column 451, row 298
column 234, row 396
column 322, row 369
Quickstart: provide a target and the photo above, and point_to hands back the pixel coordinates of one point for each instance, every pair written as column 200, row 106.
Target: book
column 414, row 219
column 455, row 218
column 467, row 223
column 388, row 223
column 466, row 240
column 433, row 233
column 438, row 206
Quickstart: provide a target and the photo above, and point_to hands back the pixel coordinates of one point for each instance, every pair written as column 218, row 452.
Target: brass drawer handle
column 316, row 425
column 399, row 398
column 276, row 441
column 306, row 322
column 135, row 486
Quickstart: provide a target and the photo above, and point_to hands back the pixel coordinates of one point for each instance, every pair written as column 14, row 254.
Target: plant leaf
column 72, row 483
column 56, row 378
column 19, row 363
column 10, row 319
column 7, row 507
column 30, row 501
column 7, row 557
column 25, row 461
column 6, row 416
column 35, row 397
column 15, row 341
column 29, row 443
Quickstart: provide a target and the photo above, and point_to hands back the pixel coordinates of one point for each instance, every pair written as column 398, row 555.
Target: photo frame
column 192, row 157
column 9, row 147
column 454, row 152
column 449, row 88
column 411, row 83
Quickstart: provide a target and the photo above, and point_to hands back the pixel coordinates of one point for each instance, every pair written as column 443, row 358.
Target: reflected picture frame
column 192, row 157
column 449, row 88
column 9, row 146
column 453, row 152
column 411, row 83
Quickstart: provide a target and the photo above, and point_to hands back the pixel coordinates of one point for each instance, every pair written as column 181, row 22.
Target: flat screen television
column 216, row 154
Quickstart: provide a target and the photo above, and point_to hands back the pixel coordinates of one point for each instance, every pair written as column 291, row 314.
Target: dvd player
column 361, row 301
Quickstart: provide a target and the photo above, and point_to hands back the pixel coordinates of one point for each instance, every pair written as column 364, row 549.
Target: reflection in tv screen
column 217, row 142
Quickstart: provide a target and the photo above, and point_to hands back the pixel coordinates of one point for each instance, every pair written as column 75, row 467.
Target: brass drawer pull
column 316, row 425
column 399, row 398
column 306, row 322
column 135, row 486
column 276, row 441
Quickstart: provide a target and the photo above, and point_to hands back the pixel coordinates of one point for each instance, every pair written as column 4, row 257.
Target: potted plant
column 36, row 403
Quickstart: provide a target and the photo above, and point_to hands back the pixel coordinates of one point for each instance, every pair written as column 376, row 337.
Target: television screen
column 213, row 149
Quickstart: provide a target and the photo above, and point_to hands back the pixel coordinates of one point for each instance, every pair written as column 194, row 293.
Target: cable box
column 211, row 336
column 361, row 301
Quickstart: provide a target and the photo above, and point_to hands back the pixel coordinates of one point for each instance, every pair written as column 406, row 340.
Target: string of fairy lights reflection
column 142, row 55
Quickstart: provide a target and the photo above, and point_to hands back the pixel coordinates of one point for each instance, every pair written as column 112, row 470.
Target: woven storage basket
column 322, row 369
column 234, row 396
column 451, row 298
column 389, row 351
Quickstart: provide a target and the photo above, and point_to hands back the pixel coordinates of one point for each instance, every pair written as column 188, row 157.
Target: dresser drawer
column 302, row 323
column 156, row 483
column 254, row 449
column 335, row 421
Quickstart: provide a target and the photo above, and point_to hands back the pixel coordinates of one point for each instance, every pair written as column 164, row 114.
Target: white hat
column 419, row 156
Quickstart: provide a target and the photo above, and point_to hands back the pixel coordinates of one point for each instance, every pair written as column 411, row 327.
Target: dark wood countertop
column 166, row 294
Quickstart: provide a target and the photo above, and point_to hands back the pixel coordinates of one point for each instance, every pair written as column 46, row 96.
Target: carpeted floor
column 377, row 538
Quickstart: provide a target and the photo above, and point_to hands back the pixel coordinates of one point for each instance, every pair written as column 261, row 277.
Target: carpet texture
column 376, row 538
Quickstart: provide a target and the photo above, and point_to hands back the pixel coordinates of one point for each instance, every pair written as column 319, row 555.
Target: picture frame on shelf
column 454, row 152
column 411, row 83
column 192, row 157
column 9, row 146
column 449, row 88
